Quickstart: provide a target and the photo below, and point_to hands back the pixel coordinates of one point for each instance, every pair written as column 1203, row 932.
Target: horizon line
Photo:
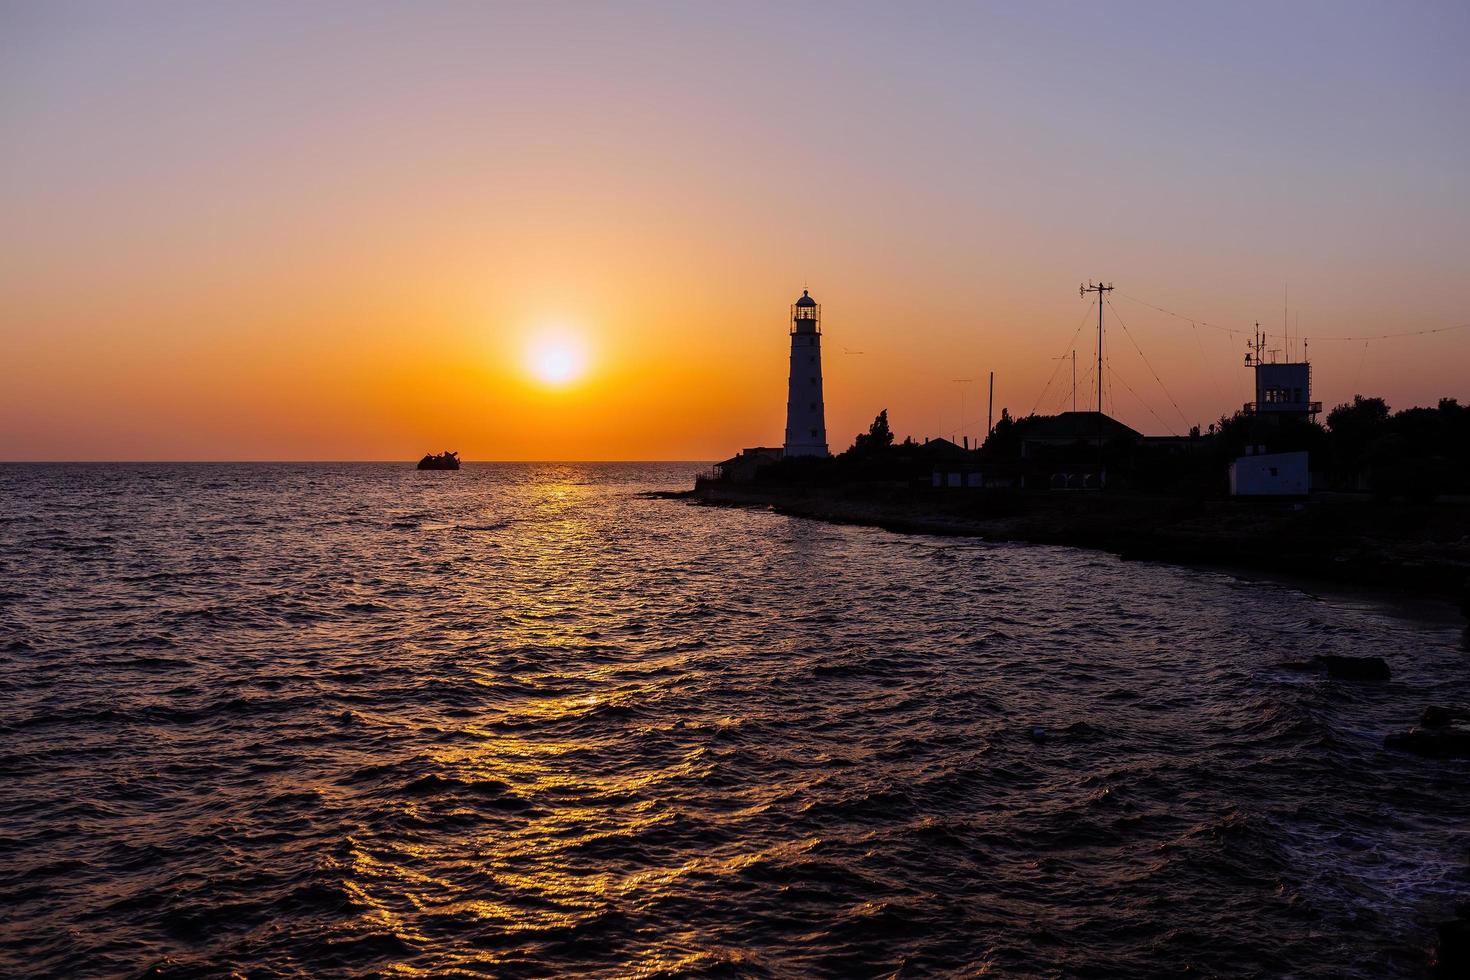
column 257, row 462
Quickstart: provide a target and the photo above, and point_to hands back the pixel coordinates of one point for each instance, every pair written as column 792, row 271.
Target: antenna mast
column 1102, row 291
column 1102, row 295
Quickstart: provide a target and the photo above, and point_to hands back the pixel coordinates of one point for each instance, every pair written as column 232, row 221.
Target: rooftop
column 1078, row 427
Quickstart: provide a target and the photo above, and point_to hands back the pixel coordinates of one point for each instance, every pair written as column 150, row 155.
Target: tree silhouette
column 878, row 437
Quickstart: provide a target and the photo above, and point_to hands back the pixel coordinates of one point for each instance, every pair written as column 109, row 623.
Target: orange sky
column 329, row 232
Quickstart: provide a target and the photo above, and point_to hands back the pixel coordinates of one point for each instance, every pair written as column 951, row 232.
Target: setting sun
column 839, row 488
column 556, row 359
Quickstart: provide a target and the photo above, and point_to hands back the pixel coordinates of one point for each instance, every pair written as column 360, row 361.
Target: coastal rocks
column 1344, row 668
column 1452, row 951
column 1449, row 743
column 1437, row 716
column 1442, row 733
column 1356, row 668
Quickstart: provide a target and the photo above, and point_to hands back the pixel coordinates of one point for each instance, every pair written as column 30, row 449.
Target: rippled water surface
column 521, row 720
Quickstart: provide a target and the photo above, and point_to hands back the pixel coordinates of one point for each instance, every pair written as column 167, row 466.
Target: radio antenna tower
column 1102, row 292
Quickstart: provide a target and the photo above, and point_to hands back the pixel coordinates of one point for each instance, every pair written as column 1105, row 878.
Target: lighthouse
column 806, row 425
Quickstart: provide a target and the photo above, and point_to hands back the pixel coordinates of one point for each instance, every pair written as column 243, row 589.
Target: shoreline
column 1353, row 545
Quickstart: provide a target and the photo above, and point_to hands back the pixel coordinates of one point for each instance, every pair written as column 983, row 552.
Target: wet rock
column 1356, row 668
column 1448, row 739
column 1301, row 666
column 1452, row 951
column 1437, row 716
column 1344, row 668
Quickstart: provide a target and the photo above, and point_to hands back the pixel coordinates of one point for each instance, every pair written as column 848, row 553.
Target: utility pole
column 990, row 414
column 1102, row 295
column 1074, row 380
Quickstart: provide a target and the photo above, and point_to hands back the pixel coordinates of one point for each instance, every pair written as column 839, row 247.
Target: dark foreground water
column 517, row 720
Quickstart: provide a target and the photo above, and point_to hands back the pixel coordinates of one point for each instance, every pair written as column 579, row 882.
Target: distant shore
column 1345, row 540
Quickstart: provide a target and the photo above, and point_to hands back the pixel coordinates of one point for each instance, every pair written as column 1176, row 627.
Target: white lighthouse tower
column 806, row 422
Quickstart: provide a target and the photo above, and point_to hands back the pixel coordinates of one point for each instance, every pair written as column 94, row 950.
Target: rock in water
column 1437, row 716
column 1301, row 666
column 1355, row 668
column 1344, row 668
column 444, row 461
column 1433, row 743
column 1443, row 733
column 1452, row 952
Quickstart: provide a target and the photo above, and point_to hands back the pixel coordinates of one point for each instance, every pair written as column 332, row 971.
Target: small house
column 743, row 466
column 1270, row 475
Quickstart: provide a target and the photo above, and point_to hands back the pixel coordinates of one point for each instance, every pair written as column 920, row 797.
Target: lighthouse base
column 819, row 450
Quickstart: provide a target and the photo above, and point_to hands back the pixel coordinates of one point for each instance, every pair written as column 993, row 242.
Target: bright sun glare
column 556, row 359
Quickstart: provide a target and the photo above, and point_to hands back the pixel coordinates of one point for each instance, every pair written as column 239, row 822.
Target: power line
column 1114, row 372
column 1150, row 367
column 1318, row 337
column 1180, row 316
column 1071, row 344
column 1206, row 364
column 1392, row 336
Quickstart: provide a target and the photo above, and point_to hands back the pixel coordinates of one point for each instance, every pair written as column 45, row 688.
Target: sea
column 530, row 720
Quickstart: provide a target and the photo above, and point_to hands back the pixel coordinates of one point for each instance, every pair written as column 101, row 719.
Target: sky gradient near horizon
column 331, row 230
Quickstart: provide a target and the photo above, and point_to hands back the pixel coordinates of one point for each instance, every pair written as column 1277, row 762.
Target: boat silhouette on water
column 444, row 461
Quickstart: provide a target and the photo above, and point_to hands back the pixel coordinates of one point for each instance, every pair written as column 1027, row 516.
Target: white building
column 1270, row 475
column 806, row 423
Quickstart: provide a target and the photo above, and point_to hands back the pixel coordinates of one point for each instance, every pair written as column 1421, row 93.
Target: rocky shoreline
column 1421, row 550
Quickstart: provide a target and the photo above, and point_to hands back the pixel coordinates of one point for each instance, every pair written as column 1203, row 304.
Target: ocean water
column 520, row 720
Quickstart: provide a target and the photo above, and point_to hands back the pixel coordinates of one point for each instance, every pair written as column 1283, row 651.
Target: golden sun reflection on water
column 551, row 861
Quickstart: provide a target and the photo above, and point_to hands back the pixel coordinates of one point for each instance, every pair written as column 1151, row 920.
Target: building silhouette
column 1283, row 388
